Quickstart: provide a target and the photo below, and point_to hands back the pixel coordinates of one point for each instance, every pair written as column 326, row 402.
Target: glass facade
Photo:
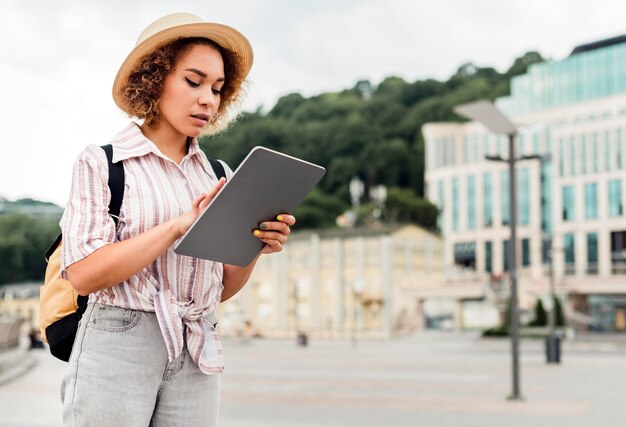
column 471, row 202
column 591, row 201
column 487, row 200
column 615, row 198
column 568, row 203
column 579, row 77
column 488, row 257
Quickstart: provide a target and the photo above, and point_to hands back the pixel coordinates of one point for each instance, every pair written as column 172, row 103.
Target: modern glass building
column 572, row 224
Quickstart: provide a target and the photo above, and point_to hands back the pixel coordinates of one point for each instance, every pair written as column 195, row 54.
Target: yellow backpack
column 60, row 306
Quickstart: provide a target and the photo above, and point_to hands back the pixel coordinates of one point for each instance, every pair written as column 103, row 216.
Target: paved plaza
column 428, row 379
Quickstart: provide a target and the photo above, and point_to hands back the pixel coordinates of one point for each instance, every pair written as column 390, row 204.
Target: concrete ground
column 429, row 379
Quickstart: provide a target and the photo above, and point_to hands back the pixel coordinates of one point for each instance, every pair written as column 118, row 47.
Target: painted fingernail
column 263, row 226
column 280, row 217
column 257, row 233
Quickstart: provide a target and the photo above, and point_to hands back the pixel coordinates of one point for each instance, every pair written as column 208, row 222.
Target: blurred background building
column 572, row 227
column 344, row 282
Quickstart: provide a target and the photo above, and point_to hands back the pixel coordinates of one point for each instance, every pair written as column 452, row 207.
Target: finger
column 281, row 227
column 273, row 245
column 286, row 218
column 270, row 235
column 213, row 191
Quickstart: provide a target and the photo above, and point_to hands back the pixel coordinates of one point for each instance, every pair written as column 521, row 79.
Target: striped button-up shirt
column 181, row 290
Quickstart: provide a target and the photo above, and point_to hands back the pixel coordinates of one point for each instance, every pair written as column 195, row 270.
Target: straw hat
column 176, row 26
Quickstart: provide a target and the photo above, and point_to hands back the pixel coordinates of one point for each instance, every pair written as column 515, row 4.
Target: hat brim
column 223, row 35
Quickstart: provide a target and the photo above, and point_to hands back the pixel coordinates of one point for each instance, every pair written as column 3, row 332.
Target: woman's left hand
column 275, row 233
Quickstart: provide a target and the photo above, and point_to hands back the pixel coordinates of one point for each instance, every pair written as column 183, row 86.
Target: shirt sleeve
column 86, row 224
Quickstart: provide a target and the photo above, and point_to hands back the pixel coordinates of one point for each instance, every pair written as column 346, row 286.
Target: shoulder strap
column 218, row 168
column 116, row 183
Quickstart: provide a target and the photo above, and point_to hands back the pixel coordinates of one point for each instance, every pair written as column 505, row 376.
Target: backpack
column 60, row 306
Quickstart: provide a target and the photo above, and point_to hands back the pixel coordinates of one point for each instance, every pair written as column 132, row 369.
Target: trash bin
column 553, row 348
column 303, row 340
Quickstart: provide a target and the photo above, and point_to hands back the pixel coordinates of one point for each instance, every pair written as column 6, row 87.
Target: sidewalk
column 16, row 362
column 430, row 379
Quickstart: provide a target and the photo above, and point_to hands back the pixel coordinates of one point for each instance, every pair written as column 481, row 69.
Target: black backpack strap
column 116, row 183
column 218, row 168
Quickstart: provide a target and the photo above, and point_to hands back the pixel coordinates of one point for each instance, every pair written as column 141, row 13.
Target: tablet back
column 267, row 183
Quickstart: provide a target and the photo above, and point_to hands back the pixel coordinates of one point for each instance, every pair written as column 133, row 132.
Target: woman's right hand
column 185, row 221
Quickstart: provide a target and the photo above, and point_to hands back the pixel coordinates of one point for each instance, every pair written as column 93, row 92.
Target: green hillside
column 372, row 132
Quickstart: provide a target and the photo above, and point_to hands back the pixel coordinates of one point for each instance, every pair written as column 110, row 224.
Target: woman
column 147, row 352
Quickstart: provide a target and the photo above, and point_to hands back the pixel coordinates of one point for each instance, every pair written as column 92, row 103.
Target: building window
column 615, row 198
column 505, row 258
column 618, row 252
column 466, row 149
column 471, row 202
column 455, row 204
column 591, row 201
column 607, row 151
column 465, row 255
column 561, row 157
column 595, row 156
column 441, row 204
column 525, row 252
column 536, row 143
column 570, row 254
column 524, row 196
column 504, row 190
column 583, row 154
column 572, row 155
column 521, row 144
column 546, row 196
column 487, row 200
column 488, row 257
column 545, row 250
column 592, row 253
column 618, row 149
column 568, row 203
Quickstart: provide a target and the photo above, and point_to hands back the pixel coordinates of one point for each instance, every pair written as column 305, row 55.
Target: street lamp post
column 487, row 114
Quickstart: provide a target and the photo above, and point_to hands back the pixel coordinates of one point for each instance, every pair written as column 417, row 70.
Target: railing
column 9, row 332
column 618, row 267
column 570, row 269
column 592, row 268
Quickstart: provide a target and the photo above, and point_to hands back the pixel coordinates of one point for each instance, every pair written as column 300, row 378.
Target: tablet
column 265, row 184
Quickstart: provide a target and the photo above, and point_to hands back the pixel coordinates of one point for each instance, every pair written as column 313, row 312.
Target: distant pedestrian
column 147, row 352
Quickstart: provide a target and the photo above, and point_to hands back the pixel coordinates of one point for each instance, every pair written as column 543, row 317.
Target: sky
column 58, row 59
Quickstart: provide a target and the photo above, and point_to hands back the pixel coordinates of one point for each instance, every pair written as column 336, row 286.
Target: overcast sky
column 58, row 58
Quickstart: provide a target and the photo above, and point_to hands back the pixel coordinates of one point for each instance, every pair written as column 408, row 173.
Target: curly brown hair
column 143, row 89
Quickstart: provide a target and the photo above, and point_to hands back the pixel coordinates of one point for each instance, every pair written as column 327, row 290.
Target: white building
column 573, row 112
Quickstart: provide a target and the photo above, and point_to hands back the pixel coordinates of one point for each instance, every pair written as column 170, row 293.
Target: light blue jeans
column 119, row 375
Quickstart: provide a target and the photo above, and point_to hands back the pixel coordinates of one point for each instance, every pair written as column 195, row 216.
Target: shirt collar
column 131, row 142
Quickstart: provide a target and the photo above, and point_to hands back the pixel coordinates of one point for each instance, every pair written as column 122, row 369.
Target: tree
column 404, row 206
column 541, row 318
column 521, row 64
